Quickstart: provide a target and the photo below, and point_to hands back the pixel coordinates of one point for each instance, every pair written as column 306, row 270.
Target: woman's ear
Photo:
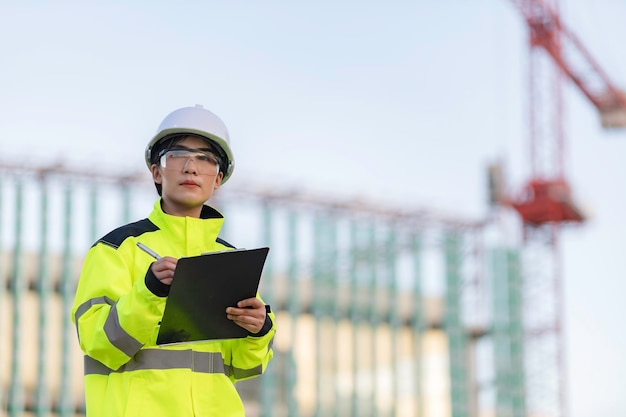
column 218, row 180
column 156, row 174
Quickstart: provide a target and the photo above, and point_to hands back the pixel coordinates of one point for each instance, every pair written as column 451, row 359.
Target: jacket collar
column 195, row 235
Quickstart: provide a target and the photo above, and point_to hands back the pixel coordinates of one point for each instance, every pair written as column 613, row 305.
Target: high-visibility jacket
column 117, row 309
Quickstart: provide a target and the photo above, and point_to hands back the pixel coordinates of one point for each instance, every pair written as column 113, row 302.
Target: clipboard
column 203, row 287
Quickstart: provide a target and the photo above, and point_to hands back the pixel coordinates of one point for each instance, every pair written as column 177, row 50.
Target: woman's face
column 188, row 174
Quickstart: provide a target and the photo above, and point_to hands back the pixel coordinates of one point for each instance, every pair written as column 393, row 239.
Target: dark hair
column 173, row 140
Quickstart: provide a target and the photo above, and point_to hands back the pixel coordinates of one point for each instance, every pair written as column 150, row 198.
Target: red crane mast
column 545, row 202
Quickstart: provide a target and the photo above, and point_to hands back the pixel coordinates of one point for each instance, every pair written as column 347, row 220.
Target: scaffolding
column 381, row 312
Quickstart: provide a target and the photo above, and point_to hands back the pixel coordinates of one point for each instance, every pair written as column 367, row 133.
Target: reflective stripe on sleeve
column 239, row 373
column 84, row 307
column 118, row 336
column 112, row 328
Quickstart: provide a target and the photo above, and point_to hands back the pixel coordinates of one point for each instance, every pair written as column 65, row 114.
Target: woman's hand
column 164, row 269
column 249, row 314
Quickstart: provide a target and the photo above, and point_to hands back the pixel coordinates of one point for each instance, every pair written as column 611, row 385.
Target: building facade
column 381, row 311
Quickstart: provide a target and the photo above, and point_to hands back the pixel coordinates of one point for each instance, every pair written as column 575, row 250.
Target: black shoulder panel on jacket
column 117, row 236
column 225, row 243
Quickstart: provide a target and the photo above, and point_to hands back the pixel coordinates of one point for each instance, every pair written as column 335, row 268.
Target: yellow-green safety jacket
column 118, row 306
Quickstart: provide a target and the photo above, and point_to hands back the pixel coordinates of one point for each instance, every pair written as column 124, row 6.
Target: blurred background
column 444, row 209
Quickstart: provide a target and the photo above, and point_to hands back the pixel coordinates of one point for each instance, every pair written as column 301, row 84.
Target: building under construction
column 381, row 312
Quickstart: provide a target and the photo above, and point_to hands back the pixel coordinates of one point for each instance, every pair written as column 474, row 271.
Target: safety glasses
column 205, row 163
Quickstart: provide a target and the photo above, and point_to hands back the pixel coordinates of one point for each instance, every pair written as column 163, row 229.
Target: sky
column 399, row 102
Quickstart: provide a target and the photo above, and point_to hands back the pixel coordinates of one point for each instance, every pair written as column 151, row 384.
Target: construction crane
column 545, row 202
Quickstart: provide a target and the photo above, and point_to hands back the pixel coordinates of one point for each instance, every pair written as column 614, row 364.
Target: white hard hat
column 197, row 121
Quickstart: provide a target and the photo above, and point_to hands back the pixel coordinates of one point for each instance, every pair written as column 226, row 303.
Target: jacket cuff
column 155, row 286
column 267, row 326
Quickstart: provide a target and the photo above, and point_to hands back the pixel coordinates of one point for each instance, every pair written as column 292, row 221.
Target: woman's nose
column 190, row 167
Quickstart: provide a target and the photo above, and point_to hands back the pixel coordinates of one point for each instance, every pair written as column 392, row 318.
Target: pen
column 148, row 251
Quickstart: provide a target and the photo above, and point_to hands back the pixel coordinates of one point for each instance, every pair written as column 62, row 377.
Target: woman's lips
column 189, row 183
